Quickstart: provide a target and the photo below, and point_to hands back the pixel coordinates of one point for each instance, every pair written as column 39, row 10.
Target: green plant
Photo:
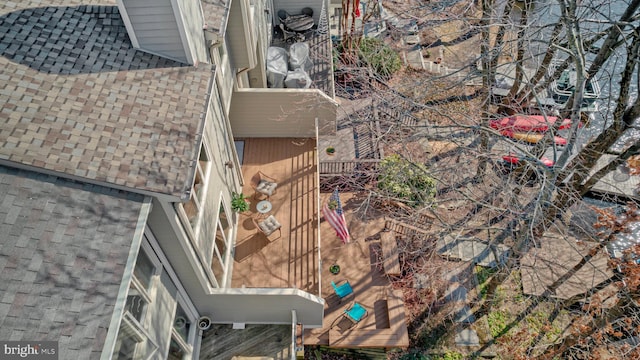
column 452, row 355
column 406, row 181
column 334, row 269
column 371, row 52
column 497, row 322
column 330, row 150
column 380, row 57
column 414, row 356
column 239, row 202
column 332, row 205
column 483, row 274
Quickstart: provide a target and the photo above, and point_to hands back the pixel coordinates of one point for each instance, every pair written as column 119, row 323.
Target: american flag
column 336, row 218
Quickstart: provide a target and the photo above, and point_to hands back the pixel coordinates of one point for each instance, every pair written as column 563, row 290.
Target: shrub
column 380, row 57
column 373, row 53
column 406, row 181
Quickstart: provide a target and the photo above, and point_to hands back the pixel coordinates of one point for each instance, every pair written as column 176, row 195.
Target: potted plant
column 330, row 150
column 239, row 202
column 334, row 269
column 332, row 205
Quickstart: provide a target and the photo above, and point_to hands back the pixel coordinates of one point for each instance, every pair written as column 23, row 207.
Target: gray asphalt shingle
column 76, row 98
column 61, row 290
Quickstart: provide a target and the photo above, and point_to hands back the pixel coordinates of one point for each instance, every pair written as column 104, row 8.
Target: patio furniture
column 268, row 226
column 343, row 290
column 264, row 207
column 353, row 313
column 290, row 36
column 298, row 23
column 277, row 66
column 263, row 184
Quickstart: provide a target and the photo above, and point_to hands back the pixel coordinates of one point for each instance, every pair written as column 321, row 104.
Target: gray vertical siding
column 193, row 21
column 240, row 32
column 281, row 113
column 155, row 27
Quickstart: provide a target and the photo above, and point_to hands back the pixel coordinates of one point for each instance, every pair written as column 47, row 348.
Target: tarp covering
column 277, row 62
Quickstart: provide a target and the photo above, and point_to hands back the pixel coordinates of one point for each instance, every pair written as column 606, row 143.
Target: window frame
column 132, row 326
column 187, row 345
column 223, row 259
column 197, row 196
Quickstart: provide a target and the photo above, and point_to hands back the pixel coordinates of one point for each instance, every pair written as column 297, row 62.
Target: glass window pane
column 136, row 304
column 144, row 269
column 222, row 233
column 175, row 351
column 191, row 209
column 217, row 268
column 182, row 324
column 125, row 346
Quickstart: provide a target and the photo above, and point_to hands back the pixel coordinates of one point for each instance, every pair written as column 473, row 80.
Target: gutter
column 199, row 137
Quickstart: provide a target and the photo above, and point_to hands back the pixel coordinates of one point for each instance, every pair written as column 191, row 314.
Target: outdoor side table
column 264, row 207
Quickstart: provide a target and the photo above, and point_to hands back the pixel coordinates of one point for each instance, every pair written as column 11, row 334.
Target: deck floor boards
column 290, row 261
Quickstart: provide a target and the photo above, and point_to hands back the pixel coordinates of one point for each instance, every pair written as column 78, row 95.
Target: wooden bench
column 396, row 336
column 390, row 253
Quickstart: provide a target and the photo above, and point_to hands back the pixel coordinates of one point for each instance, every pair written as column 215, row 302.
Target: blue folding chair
column 343, row 290
column 355, row 313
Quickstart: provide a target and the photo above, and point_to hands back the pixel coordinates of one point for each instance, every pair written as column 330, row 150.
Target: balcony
column 321, row 72
column 292, row 260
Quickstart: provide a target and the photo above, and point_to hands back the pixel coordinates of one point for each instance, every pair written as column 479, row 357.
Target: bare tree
column 517, row 206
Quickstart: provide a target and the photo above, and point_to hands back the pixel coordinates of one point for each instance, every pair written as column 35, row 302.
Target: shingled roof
column 215, row 14
column 63, row 251
column 77, row 100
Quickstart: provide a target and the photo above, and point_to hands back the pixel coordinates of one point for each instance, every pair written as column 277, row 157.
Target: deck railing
column 347, row 167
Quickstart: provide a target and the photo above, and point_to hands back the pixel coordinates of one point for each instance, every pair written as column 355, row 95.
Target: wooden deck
column 393, row 335
column 290, row 261
column 390, row 253
column 360, row 264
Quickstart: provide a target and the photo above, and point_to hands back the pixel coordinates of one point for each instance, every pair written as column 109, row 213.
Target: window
column 132, row 331
column 126, row 343
column 179, row 347
column 193, row 207
column 221, row 244
column 155, row 296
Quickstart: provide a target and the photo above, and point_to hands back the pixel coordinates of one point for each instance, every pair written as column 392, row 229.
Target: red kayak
column 513, row 159
column 532, row 138
column 536, row 123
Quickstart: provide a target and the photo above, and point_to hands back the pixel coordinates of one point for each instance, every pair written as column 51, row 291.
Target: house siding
column 224, row 75
column 193, row 23
column 240, row 30
column 281, row 113
column 155, row 27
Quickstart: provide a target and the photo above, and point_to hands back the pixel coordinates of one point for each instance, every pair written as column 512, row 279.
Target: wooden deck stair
column 421, row 227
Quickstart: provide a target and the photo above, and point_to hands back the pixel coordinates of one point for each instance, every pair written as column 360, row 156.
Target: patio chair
column 343, row 290
column 353, row 313
column 290, row 36
column 263, row 184
column 282, row 15
column 268, row 226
